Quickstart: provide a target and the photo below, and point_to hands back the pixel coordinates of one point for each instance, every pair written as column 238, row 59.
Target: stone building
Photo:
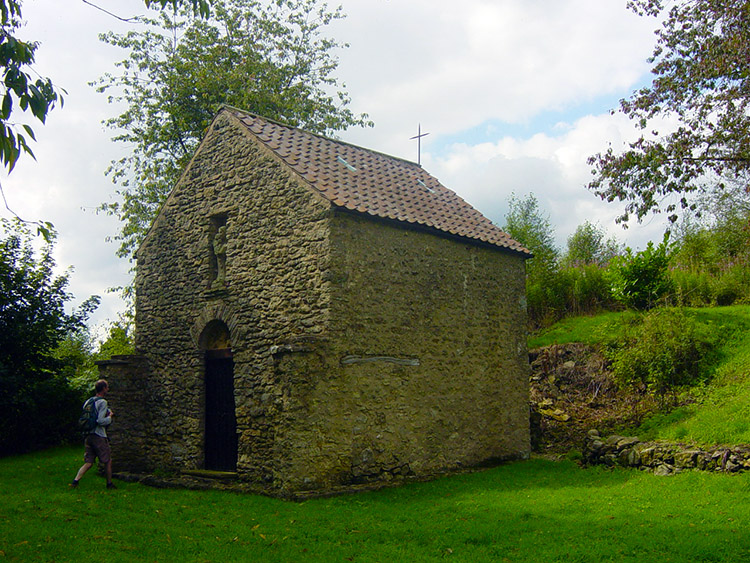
column 311, row 314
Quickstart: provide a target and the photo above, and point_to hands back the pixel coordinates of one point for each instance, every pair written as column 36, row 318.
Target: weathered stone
column 663, row 470
column 633, row 457
column 664, row 458
column 609, row 459
column 627, row 442
column 686, row 458
column 613, row 440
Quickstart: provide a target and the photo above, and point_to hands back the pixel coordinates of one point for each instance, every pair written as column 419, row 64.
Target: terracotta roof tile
column 373, row 183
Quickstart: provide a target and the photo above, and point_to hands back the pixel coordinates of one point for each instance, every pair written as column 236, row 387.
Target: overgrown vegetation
column 707, row 401
column 702, row 263
column 659, row 352
column 46, row 354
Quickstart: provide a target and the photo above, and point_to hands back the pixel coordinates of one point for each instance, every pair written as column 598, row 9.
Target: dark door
column 221, row 426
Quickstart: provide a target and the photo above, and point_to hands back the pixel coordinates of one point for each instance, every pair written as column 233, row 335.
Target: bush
column 640, row 280
column 659, row 351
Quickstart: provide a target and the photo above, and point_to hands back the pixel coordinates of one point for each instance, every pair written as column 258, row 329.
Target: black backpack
column 89, row 415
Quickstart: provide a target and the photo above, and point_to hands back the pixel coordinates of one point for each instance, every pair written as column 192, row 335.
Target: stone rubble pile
column 662, row 458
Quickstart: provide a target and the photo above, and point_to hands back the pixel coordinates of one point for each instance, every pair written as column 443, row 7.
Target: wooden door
column 221, row 425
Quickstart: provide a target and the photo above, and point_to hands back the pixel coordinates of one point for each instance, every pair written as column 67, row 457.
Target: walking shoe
column 111, row 486
column 73, row 484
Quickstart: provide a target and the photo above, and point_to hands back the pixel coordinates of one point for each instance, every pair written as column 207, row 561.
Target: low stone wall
column 660, row 457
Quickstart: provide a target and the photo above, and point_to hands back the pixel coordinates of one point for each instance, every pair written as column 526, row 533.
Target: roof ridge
column 319, row 135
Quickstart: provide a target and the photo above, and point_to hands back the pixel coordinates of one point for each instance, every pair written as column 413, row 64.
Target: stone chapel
column 311, row 315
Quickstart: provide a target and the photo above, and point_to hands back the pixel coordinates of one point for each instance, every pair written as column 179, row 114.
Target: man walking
column 97, row 443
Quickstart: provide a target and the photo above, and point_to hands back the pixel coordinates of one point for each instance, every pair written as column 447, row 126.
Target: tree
column 587, row 246
column 268, row 58
column 526, row 223
column 35, row 398
column 701, row 79
column 19, row 90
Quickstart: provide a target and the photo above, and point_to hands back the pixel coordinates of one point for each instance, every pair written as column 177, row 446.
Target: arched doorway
column 220, row 446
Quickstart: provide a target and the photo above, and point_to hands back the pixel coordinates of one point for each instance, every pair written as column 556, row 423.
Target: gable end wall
column 275, row 292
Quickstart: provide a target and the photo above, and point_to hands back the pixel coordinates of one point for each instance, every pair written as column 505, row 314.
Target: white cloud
column 554, row 169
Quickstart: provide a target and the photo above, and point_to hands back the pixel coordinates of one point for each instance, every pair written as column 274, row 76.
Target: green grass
column 527, row 511
column 575, row 329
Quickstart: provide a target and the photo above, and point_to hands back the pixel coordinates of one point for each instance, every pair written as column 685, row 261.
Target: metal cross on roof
column 418, row 137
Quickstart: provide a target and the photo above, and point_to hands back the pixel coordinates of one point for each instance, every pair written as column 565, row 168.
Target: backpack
column 89, row 415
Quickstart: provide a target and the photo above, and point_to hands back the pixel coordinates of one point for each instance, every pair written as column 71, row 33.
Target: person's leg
column 89, row 456
column 108, row 469
column 81, row 472
column 105, row 456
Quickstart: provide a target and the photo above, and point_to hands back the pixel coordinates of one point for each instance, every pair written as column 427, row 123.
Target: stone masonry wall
column 128, row 378
column 426, row 368
column 662, row 458
column 271, row 290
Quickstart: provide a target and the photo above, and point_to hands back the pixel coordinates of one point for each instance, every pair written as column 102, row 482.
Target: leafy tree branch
column 701, row 79
column 270, row 58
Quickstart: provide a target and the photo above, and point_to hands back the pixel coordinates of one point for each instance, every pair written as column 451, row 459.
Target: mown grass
column 536, row 510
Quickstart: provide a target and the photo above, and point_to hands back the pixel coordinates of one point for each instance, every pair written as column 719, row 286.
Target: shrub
column 659, row 351
column 640, row 280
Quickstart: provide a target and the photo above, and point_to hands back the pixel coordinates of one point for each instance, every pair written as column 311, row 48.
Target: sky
column 515, row 95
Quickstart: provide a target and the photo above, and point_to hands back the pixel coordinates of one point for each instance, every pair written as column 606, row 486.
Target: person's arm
column 104, row 415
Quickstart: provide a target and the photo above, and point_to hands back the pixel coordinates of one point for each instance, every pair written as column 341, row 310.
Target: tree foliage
column 35, row 398
column 19, row 89
column 701, row 80
column 588, row 246
column 37, row 96
column 270, row 58
column 527, row 224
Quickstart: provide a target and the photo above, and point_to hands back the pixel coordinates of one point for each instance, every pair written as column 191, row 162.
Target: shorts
column 96, row 446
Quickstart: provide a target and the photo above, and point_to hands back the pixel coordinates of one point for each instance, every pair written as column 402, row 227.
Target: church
column 312, row 315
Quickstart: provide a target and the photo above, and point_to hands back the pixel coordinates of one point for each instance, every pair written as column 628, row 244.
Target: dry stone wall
column 662, row 458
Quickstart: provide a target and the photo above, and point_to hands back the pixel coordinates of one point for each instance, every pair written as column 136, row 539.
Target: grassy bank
column 721, row 411
column 527, row 511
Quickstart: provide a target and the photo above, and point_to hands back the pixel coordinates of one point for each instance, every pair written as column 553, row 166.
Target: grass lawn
column 537, row 511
